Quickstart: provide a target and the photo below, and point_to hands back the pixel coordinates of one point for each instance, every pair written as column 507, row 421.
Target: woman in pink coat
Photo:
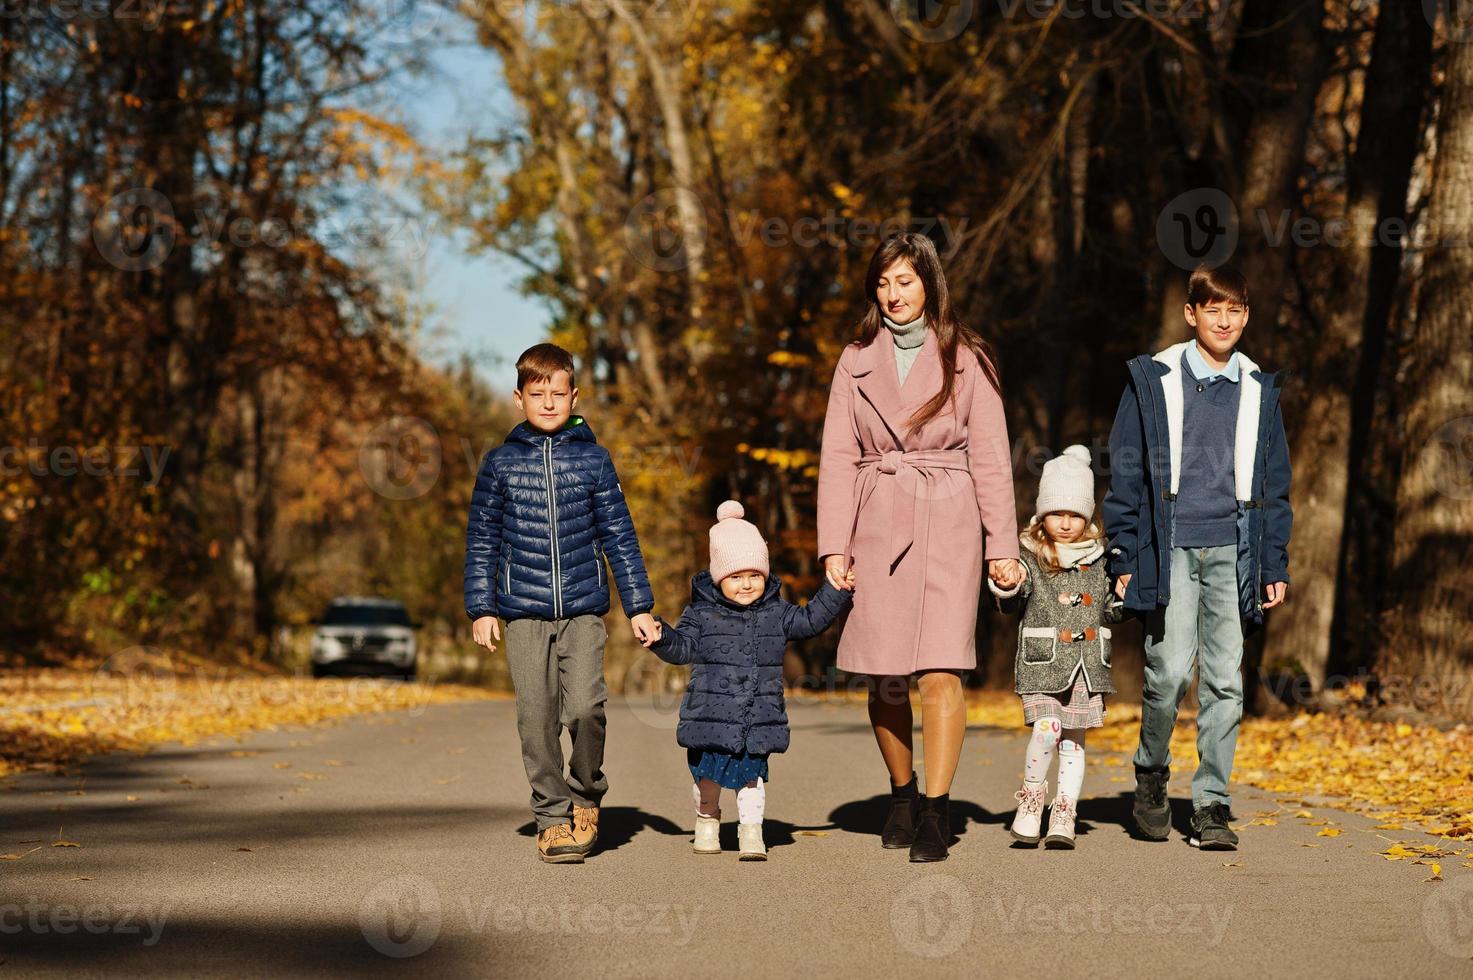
column 915, row 489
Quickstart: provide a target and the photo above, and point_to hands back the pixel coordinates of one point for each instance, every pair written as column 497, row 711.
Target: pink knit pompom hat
column 736, row 545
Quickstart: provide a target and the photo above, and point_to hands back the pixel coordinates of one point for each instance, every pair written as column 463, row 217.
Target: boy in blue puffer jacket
column 735, row 631
column 546, row 512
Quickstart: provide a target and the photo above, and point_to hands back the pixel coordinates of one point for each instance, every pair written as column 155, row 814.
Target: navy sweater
column 1206, row 500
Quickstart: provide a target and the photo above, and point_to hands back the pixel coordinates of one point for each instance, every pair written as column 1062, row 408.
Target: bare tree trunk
column 254, row 572
column 664, row 81
column 1429, row 623
column 1280, row 61
column 1386, row 145
column 1397, row 86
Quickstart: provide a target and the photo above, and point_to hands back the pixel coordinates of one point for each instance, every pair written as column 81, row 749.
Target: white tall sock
column 752, row 801
column 1040, row 756
column 1071, row 763
column 706, row 794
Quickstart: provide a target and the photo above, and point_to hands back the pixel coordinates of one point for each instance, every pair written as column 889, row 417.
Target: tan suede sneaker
column 585, row 827
column 555, row 845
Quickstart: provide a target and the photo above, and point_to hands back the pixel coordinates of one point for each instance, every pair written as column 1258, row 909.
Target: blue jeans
column 1200, row 623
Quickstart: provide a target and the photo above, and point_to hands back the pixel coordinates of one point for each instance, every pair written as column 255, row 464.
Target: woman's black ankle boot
column 933, row 830
column 900, row 825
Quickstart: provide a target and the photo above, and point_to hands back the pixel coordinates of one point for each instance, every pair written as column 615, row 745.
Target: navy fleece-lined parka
column 1145, row 452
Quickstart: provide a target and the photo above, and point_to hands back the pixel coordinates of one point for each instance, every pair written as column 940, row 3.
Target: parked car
column 365, row 636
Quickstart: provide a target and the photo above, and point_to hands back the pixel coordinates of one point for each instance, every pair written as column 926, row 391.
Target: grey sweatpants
column 557, row 668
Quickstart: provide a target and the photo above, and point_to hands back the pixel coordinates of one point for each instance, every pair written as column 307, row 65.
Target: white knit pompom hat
column 1067, row 484
column 736, row 545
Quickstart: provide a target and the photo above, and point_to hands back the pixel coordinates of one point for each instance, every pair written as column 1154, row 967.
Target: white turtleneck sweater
column 909, row 338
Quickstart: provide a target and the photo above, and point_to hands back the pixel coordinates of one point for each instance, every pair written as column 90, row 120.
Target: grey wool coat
column 1066, row 622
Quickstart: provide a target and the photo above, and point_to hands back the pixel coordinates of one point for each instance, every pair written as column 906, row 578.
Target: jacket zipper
column 598, row 556
column 557, row 563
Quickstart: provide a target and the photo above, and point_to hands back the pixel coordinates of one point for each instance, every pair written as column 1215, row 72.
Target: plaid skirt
column 1084, row 710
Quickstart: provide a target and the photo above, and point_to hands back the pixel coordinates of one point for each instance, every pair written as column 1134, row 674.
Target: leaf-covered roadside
column 52, row 718
column 1398, row 773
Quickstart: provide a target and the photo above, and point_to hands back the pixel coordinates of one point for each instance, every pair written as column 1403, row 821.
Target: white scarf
column 1070, row 554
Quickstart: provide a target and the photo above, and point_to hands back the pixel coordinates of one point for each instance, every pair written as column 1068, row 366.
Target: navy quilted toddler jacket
column 735, row 699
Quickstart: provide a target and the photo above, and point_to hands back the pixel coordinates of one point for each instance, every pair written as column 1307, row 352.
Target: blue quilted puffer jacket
column 545, row 513
column 735, row 699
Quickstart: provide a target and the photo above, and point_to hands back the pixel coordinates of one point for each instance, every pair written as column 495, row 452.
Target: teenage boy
column 1198, row 519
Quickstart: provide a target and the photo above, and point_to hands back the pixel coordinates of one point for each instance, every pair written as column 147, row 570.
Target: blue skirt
column 724, row 769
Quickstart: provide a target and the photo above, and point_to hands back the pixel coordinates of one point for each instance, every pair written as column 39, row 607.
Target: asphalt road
column 402, row 844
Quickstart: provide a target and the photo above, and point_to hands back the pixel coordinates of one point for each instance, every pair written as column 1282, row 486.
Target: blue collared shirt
column 1198, row 365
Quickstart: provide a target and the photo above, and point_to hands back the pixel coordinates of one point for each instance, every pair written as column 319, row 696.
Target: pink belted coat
column 916, row 511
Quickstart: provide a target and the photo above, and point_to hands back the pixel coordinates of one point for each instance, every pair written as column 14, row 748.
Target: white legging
column 751, row 799
column 1047, row 734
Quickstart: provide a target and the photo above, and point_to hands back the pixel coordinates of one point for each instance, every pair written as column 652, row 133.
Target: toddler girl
column 1063, row 661
column 733, row 717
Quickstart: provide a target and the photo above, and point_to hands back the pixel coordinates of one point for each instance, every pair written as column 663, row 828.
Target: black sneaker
column 1152, row 811
column 1210, row 830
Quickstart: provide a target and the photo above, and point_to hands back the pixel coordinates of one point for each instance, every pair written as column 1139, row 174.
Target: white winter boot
column 1061, row 824
column 1029, row 819
column 749, row 839
column 708, row 835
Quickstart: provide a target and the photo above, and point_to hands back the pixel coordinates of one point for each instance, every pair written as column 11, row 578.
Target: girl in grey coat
column 1063, row 660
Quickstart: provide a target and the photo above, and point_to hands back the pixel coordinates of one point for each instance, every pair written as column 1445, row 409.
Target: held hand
column 485, row 630
column 1006, row 572
column 646, row 630
column 1276, row 593
column 658, row 634
column 839, row 577
column 1120, row 584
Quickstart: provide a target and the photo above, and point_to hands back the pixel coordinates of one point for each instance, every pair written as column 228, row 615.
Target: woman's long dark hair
column 951, row 332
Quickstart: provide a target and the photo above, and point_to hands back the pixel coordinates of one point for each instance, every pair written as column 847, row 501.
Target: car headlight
column 326, row 647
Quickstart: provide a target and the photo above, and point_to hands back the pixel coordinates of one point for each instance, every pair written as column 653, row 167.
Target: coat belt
column 917, row 473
